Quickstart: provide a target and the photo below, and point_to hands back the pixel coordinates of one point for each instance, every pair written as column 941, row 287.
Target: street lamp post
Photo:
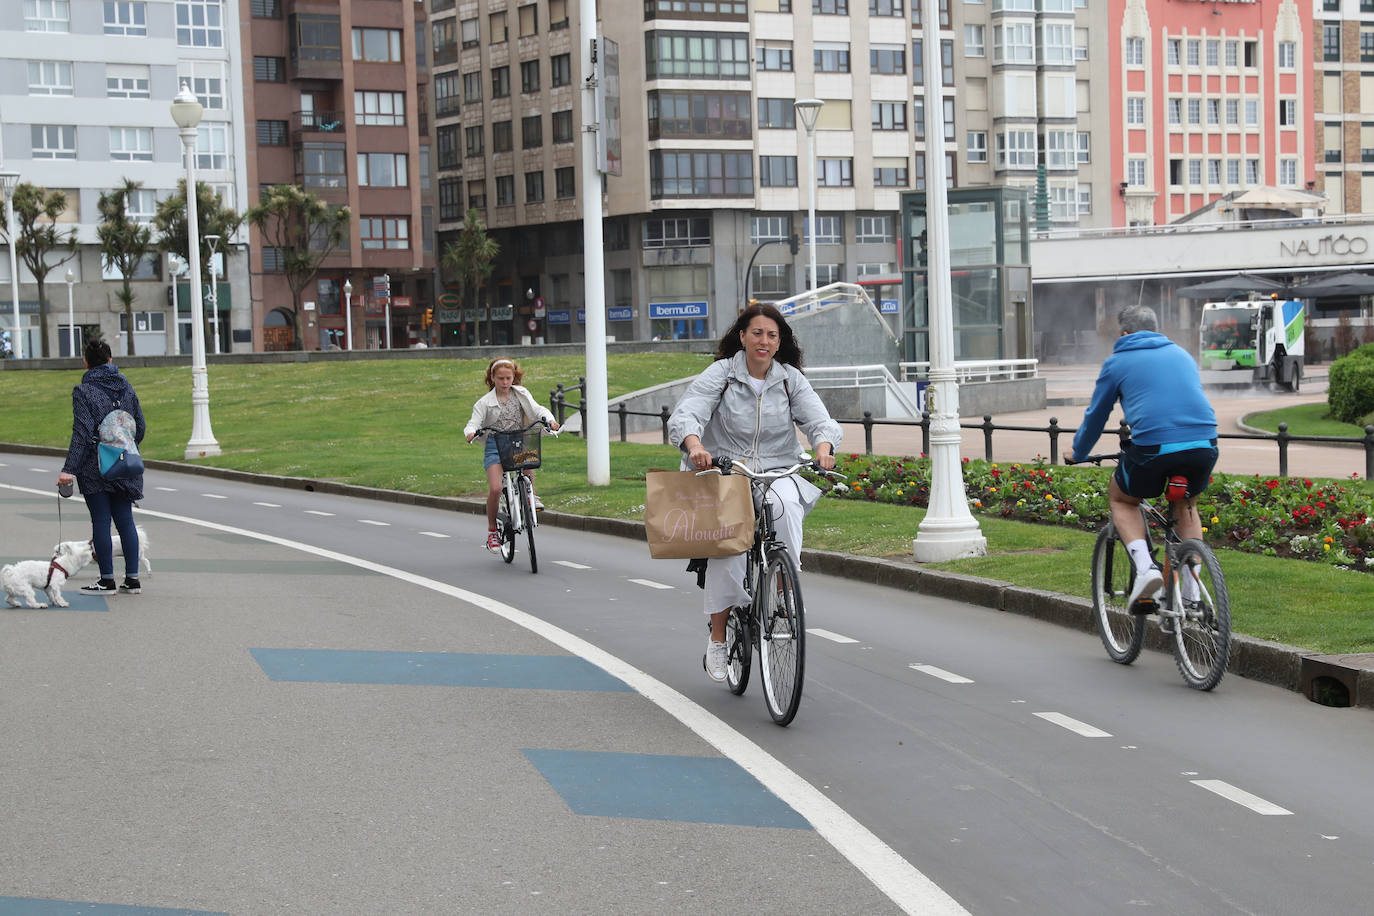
column 8, row 182
column 186, row 112
column 213, row 242
column 809, row 110
column 348, row 313
column 173, row 271
column 71, row 316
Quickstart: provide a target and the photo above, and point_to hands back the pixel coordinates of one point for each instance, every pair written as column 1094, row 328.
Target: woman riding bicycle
column 744, row 406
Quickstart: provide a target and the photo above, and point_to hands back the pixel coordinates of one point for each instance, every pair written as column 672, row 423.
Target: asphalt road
column 232, row 741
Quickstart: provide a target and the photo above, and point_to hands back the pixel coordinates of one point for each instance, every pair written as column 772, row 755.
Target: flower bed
column 1325, row 521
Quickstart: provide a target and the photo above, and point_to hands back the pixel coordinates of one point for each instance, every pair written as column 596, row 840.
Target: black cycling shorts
column 1143, row 470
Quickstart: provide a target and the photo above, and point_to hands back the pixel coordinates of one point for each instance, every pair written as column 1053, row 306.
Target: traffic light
column 426, row 318
column 794, row 243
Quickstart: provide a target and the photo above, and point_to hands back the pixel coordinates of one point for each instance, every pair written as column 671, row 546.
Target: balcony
column 316, row 122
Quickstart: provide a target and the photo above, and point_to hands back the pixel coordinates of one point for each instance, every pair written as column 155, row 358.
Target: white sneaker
column 717, row 656
column 536, row 501
column 1147, row 585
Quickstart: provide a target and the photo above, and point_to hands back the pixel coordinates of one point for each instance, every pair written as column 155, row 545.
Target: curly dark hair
column 789, row 351
column 97, row 352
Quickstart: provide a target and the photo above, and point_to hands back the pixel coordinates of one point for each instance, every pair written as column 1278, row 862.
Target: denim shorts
column 490, row 456
column 1145, row 469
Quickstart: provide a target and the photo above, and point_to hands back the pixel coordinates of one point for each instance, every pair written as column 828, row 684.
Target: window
column 562, row 126
column 477, row 194
column 212, row 146
column 1172, row 52
column 384, row 232
column 534, row 187
column 777, row 171
column 1194, row 172
column 1013, row 43
column 500, row 82
column 918, row 117
column 835, row 173
column 1061, row 149
column 1213, row 52
column 831, row 57
column 131, row 144
column 266, row 9
column 1287, row 55
column 1288, row 172
column 271, row 133
column 1085, row 148
column 200, row 24
column 1331, row 41
column 1056, row 44
column 472, row 87
column 501, row 137
column 564, row 182
column 1233, row 171
column 700, row 173
column 445, row 42
column 774, row 57
column 1194, row 51
column 450, row 199
column 685, row 232
column 769, row 229
column 321, row 165
column 1288, row 112
column 560, row 70
column 770, row 280
column 1195, row 111
column 777, row 113
column 829, row 230
column 505, row 190
column 316, row 38
column 529, row 76
column 889, row 115
column 949, row 119
column 206, row 79
column 1085, row 199
column 1252, row 171
column 1232, row 53
column 1135, row 52
column 1016, row 149
column 1251, row 112
column 446, row 142
column 53, row 141
column 1233, row 111
column 126, row 17
column 1175, row 172
column 977, row 146
column 496, row 28
column 1214, row 111
column 47, row 16
column 473, row 137
column 471, row 33
column 382, row 170
column 974, row 43
column 529, row 21
column 873, row 229
column 890, row 176
column 1173, row 110
column 387, row 109
column 532, row 132
column 269, row 69
column 1135, row 111
column 558, row 15
column 1214, row 171
column 830, row 7
column 1366, row 46
column 50, row 77
column 1135, row 173
column 825, row 275
column 447, row 92
column 885, row 8
column 378, row 46
column 696, row 55
column 886, row 60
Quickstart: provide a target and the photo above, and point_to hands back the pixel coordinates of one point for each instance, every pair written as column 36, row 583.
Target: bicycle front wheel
column 1202, row 629
column 506, row 527
column 782, row 642
column 527, row 510
column 740, row 648
column 1123, row 633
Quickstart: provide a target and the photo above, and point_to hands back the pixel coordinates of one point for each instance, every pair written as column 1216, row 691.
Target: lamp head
column 186, row 111
column 8, row 182
column 71, row 277
column 348, row 288
column 808, row 110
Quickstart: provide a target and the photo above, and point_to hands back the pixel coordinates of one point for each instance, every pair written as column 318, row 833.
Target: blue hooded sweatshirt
column 1160, row 392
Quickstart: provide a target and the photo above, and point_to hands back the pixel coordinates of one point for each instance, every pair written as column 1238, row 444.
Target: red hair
column 500, row 362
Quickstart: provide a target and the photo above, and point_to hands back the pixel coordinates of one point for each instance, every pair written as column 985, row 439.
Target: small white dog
column 144, row 564
column 21, row 579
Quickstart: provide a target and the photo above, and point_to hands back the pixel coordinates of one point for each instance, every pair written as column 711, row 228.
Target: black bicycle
column 520, row 452
column 1200, row 626
column 775, row 620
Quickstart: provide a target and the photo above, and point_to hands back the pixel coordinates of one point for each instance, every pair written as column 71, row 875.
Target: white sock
column 1140, row 555
column 1189, row 585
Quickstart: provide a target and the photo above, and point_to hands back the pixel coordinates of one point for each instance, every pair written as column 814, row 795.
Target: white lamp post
column 348, row 313
column 173, row 270
column 186, row 112
column 8, row 182
column 71, row 316
column 809, row 110
column 213, row 242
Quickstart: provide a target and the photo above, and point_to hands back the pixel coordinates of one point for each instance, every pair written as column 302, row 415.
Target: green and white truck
column 1263, row 335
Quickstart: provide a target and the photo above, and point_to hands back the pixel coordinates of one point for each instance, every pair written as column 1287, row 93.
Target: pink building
column 1209, row 96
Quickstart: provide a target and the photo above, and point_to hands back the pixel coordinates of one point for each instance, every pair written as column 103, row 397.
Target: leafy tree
column 123, row 244
column 305, row 230
column 472, row 259
column 35, row 212
column 212, row 218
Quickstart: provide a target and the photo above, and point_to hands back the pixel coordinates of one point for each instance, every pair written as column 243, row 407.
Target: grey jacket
column 722, row 410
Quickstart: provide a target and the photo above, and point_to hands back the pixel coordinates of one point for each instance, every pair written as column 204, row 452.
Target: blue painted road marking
column 703, row 790
column 33, row 906
column 435, row 669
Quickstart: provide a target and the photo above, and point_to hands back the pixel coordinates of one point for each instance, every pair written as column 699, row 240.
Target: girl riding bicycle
column 744, row 406
column 507, row 406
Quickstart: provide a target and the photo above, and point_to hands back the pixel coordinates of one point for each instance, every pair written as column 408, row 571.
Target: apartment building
column 1343, row 97
column 84, row 93
column 337, row 98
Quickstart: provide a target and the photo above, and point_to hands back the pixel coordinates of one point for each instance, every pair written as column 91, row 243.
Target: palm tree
column 214, row 219
column 123, row 244
column 472, row 259
column 36, row 211
column 304, row 230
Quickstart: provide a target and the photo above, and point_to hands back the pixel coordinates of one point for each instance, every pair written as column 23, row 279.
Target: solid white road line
column 571, row 565
column 1073, row 725
column 650, row 583
column 941, row 673
column 901, row 881
column 269, row 505
column 213, row 496
column 1239, row 796
column 166, row 489
column 826, row 634
column 40, row 470
column 318, row 512
column 434, row 534
column 368, row 521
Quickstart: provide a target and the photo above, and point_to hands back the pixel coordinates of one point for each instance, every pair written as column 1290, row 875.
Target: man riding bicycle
column 1173, row 431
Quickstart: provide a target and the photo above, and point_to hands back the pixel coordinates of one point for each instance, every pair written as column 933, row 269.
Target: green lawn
column 398, row 424
column 1304, row 420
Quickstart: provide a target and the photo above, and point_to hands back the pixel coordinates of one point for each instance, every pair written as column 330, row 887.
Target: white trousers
column 725, row 575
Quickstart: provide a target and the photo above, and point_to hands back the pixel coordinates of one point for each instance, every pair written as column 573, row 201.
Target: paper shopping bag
column 686, row 516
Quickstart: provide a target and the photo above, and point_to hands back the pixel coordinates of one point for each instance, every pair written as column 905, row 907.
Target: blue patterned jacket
column 91, row 400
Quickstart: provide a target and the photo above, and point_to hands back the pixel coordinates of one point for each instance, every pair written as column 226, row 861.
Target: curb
column 1256, row 659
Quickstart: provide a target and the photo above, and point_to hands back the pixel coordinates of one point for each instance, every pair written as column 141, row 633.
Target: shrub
column 1350, row 386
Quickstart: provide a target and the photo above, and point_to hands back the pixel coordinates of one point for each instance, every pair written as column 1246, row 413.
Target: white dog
column 144, row 564
column 21, row 579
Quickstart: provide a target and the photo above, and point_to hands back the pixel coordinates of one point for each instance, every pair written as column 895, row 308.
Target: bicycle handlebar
column 1096, row 459
column 723, row 465
column 538, row 422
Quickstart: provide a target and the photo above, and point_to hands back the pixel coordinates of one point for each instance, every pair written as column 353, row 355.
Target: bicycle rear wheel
column 1202, row 629
column 506, row 527
column 740, row 649
column 1122, row 633
column 782, row 642
column 527, row 510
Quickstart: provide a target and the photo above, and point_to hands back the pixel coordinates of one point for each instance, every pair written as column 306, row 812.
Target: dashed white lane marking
column 368, row 521
column 1073, row 725
column 165, row 489
column 213, row 496
column 571, row 565
column 269, row 505
column 942, row 674
column 318, row 512
column 650, row 583
column 40, row 470
column 1239, row 796
column 434, row 534
column 827, row 634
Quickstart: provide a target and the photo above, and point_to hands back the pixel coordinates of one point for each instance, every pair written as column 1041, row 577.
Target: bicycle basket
column 519, row 451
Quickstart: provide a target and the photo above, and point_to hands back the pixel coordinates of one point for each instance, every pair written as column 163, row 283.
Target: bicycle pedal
column 1144, row 607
